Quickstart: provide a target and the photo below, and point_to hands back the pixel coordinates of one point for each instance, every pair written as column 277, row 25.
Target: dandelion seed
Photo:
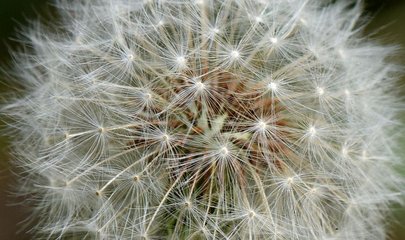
column 200, row 2
column 160, row 23
column 342, row 53
column 234, row 54
column 199, row 85
column 272, row 86
column 258, row 19
column 344, row 152
column 67, row 135
column 252, row 214
column 274, row 40
column 304, row 22
column 166, row 137
column 181, row 62
column 320, row 91
column 261, row 125
column 102, row 130
column 130, row 57
column 312, row 131
column 224, row 151
column 136, row 178
column 215, row 30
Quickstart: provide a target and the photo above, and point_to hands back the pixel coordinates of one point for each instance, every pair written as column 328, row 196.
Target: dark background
column 387, row 19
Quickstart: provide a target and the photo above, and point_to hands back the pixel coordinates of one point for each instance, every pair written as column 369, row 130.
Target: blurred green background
column 387, row 18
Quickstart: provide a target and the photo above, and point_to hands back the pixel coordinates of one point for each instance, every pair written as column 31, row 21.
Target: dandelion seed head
column 205, row 119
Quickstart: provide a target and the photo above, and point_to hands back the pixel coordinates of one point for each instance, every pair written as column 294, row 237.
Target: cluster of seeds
column 208, row 119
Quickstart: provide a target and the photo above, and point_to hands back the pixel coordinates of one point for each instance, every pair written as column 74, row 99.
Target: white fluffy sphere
column 207, row 119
